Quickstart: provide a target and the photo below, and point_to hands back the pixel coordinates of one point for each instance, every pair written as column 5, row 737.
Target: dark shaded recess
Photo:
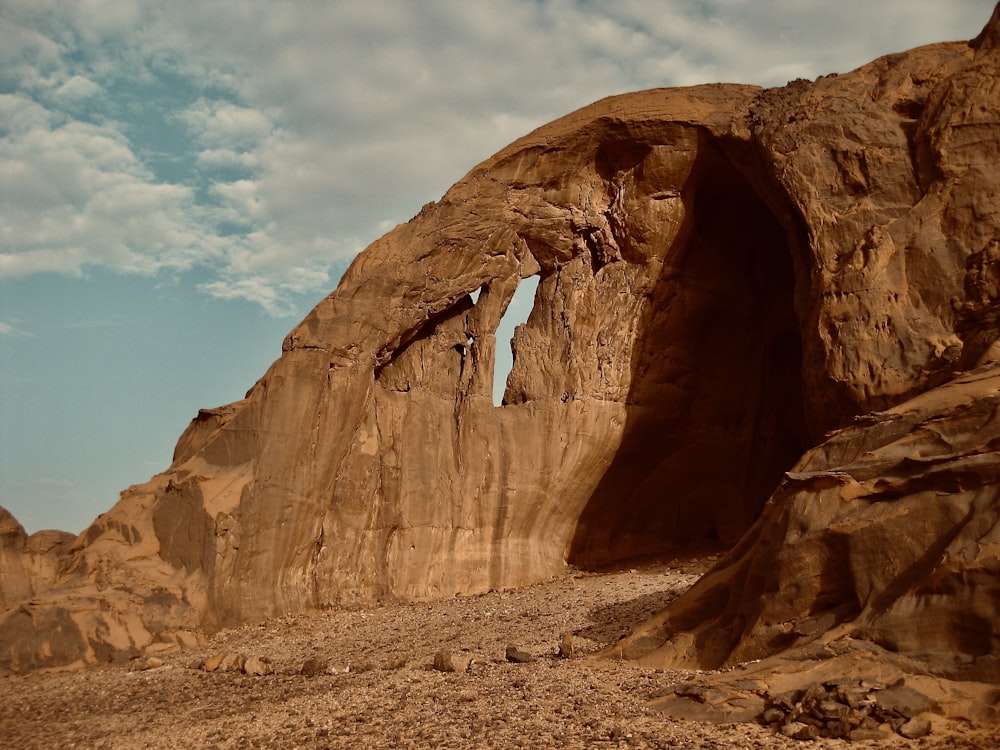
column 716, row 411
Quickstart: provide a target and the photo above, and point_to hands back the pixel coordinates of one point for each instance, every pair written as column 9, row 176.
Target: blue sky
column 180, row 182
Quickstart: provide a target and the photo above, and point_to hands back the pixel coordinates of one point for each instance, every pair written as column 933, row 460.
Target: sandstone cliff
column 726, row 274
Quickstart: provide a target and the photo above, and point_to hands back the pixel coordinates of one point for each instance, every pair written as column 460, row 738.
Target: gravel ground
column 390, row 696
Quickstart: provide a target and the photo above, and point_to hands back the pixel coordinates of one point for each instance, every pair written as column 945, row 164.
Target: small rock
column 904, row 701
column 865, row 733
column 152, row 662
column 232, row 663
column 854, row 698
column 257, row 666
column 398, row 663
column 566, row 648
column 813, row 694
column 773, row 715
column 916, row 728
column 314, row 666
column 212, row 663
column 837, row 729
column 517, row 656
column 619, row 733
column 832, row 710
column 786, row 701
column 445, row 661
column 797, row 730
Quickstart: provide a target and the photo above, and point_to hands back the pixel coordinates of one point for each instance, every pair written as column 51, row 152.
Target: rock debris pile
column 854, row 712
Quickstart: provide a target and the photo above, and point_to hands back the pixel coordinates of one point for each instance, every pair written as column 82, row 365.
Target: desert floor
column 390, row 696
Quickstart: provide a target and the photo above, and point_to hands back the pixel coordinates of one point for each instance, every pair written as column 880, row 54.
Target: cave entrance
column 715, row 408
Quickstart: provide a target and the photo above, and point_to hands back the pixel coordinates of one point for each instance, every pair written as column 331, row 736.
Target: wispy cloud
column 265, row 143
column 6, row 329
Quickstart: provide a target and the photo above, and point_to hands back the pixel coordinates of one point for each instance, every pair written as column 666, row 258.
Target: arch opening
column 516, row 314
column 715, row 412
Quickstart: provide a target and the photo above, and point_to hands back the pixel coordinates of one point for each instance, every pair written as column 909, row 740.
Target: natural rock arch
column 370, row 462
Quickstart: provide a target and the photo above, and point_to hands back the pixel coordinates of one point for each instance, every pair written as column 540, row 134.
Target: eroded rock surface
column 726, row 274
column 28, row 564
column 886, row 533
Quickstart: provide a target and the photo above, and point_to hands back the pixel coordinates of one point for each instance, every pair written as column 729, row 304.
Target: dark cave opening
column 715, row 408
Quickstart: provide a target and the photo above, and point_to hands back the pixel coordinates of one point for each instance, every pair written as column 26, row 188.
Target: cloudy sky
column 181, row 181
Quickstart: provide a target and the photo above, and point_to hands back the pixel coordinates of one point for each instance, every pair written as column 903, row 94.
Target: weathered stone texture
column 28, row 564
column 726, row 274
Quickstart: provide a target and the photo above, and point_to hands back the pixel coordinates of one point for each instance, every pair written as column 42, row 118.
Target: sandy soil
column 391, row 696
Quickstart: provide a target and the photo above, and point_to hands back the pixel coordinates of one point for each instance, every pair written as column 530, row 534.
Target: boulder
column 727, row 274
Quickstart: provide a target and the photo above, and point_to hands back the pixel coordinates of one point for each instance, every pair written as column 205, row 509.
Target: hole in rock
column 516, row 314
column 715, row 414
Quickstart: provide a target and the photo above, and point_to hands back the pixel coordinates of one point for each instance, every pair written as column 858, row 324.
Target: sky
column 181, row 182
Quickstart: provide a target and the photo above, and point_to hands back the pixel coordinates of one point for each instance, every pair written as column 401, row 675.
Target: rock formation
column 726, row 274
column 887, row 533
column 28, row 564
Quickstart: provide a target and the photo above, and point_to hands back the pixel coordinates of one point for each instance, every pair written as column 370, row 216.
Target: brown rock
column 863, row 734
column 233, row 663
column 903, row 701
column 915, row 728
column 517, row 656
column 446, row 661
column 726, row 274
column 214, row 663
column 798, row 730
column 567, row 649
column 28, row 564
column 314, row 666
column 773, row 715
column 257, row 666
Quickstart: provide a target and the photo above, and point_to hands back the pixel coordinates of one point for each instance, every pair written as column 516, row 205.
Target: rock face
column 726, row 274
column 28, row 564
column 886, row 533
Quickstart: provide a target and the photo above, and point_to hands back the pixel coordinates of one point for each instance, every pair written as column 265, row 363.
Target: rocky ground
column 376, row 686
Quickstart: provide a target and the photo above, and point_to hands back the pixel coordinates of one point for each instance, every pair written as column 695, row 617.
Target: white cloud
column 220, row 124
column 227, row 158
column 342, row 118
column 6, row 329
column 77, row 89
column 241, row 202
column 78, row 196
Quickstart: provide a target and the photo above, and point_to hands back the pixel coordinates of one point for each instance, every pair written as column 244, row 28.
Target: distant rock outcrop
column 726, row 274
column 28, row 564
